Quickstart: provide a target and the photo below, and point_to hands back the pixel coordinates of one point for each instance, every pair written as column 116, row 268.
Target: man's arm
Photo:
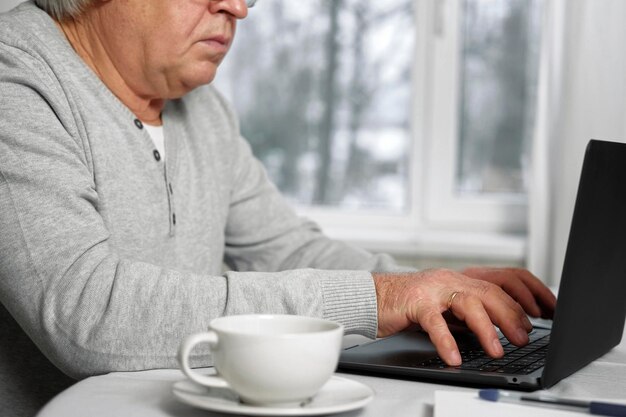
column 89, row 309
column 265, row 234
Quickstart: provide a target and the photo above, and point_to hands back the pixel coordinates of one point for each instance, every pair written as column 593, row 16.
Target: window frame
column 492, row 212
column 438, row 222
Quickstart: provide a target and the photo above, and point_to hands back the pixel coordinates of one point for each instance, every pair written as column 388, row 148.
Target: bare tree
column 329, row 98
column 359, row 95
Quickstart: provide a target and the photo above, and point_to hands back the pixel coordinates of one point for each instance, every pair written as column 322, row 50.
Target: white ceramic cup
column 268, row 360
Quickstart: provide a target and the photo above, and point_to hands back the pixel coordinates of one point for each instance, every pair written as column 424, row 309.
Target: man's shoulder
column 21, row 26
column 29, row 44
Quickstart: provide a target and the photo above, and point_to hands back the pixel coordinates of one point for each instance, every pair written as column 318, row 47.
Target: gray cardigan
column 111, row 253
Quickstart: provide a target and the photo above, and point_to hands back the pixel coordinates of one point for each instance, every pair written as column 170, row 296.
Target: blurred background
column 445, row 132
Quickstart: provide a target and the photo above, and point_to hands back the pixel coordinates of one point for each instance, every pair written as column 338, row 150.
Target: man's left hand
column 525, row 288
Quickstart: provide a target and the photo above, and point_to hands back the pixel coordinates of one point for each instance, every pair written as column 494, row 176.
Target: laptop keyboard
column 516, row 360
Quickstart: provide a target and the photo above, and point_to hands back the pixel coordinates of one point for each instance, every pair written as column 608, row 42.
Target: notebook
column 590, row 312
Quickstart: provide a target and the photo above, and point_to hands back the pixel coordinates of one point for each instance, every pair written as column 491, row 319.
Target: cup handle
column 186, row 346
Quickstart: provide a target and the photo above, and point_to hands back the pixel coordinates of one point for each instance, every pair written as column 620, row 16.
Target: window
column 408, row 119
column 481, row 109
column 323, row 91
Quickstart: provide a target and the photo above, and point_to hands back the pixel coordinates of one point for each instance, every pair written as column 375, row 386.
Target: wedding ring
column 454, row 294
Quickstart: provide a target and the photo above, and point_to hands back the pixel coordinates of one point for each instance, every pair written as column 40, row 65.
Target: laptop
column 590, row 313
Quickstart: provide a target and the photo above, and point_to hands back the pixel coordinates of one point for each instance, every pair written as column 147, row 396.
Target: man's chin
column 190, row 83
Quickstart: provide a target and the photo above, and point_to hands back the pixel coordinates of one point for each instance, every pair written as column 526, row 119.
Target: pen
column 593, row 407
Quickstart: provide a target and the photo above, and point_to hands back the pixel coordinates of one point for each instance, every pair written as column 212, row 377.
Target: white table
column 149, row 393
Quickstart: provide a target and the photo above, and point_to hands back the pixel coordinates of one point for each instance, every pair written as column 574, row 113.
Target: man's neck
column 84, row 39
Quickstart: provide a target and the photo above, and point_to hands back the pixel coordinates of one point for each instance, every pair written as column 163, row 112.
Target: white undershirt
column 156, row 133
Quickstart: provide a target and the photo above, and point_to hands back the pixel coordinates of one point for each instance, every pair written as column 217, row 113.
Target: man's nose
column 236, row 8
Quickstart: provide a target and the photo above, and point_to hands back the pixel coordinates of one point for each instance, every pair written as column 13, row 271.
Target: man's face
column 169, row 47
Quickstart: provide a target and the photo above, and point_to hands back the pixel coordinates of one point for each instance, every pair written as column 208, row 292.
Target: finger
column 487, row 283
column 505, row 313
column 520, row 292
column 453, row 322
column 544, row 297
column 547, row 312
column 519, row 315
column 433, row 323
column 470, row 309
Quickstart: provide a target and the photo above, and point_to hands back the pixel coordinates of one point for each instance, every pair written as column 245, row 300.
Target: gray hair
column 62, row 9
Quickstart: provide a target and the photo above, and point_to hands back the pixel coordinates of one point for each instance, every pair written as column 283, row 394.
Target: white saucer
column 336, row 396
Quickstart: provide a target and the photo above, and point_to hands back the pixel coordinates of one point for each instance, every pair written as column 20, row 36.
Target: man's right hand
column 422, row 297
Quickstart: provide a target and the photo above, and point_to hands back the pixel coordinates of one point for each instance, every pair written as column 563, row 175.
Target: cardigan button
column 138, row 124
column 157, row 155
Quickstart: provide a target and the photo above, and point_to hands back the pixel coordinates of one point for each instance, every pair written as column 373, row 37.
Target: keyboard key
column 517, row 360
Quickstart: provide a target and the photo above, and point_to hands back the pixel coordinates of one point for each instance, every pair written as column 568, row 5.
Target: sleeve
column 263, row 233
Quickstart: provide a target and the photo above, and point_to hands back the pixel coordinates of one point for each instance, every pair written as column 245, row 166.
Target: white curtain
column 582, row 96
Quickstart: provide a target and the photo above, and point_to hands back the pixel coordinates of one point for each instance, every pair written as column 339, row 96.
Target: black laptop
column 591, row 307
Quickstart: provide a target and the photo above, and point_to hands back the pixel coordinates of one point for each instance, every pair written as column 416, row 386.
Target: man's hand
column 481, row 298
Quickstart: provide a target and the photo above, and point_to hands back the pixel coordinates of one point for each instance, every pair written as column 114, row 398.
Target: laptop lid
column 591, row 308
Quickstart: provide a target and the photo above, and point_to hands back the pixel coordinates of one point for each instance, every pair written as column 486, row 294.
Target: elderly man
column 125, row 185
